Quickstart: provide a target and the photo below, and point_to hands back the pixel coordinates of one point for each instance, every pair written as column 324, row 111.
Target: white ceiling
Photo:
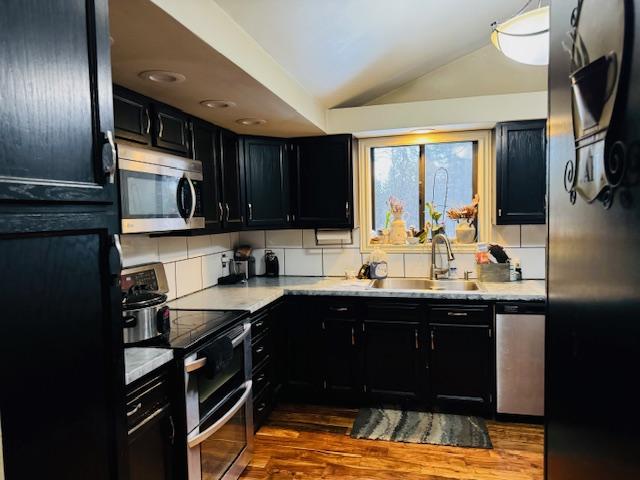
column 348, row 52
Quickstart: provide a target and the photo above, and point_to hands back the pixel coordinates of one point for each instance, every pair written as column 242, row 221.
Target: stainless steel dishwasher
column 520, row 358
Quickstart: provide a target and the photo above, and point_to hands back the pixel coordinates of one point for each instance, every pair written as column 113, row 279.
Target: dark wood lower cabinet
column 393, row 366
column 353, row 351
column 460, row 366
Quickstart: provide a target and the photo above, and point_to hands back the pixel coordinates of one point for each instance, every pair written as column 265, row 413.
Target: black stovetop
column 191, row 328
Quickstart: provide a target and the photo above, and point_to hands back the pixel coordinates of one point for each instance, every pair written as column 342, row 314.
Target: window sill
column 420, row 248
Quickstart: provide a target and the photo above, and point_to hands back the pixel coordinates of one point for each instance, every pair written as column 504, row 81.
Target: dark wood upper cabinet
column 57, row 114
column 205, row 137
column 231, row 180
column 132, row 116
column 172, row 130
column 267, row 182
column 323, row 182
column 521, row 172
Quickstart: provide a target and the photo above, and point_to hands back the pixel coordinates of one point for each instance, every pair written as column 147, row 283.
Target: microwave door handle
column 192, row 190
column 180, row 196
column 202, row 436
column 197, row 364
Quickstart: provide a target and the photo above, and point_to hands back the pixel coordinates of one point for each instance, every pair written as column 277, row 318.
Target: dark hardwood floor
column 309, row 442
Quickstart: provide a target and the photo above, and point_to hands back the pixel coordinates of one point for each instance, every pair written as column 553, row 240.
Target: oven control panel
column 145, row 277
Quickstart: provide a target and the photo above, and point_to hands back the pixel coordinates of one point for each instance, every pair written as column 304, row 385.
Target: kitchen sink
column 423, row 284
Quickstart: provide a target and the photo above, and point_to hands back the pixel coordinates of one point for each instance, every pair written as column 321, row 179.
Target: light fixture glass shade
column 525, row 38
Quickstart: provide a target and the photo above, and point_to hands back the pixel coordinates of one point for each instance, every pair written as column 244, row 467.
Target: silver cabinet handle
column 417, row 343
column 457, row 314
column 347, row 210
column 192, row 189
column 353, row 336
column 226, row 205
column 134, row 409
column 221, row 211
column 109, row 165
column 339, row 309
column 161, row 130
column 146, row 112
column 250, row 212
column 288, row 218
column 201, row 437
column 118, row 245
column 433, row 340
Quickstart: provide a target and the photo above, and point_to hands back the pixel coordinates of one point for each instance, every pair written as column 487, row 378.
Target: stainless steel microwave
column 158, row 191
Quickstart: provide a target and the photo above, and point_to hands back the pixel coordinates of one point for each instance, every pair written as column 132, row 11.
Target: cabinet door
column 57, row 107
column 460, row 366
column 231, row 180
column 304, row 335
column 204, row 150
column 324, row 182
column 267, row 181
column 339, row 359
column 131, row 116
column 392, row 360
column 66, row 392
column 521, row 172
column 171, row 130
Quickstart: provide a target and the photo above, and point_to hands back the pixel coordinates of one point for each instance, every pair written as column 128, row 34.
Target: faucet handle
column 467, row 273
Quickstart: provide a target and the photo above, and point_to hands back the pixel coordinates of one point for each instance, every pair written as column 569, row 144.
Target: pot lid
column 137, row 300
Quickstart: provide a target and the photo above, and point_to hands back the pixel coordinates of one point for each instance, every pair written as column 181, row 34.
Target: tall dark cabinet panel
column 340, row 357
column 593, row 327
column 323, row 165
column 267, row 182
column 57, row 124
column 231, row 179
column 521, row 166
column 61, row 352
column 205, row 150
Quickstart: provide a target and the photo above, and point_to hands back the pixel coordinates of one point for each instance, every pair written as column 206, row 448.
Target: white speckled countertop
column 138, row 361
column 261, row 291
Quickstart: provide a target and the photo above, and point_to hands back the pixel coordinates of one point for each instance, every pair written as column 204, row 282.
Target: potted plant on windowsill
column 466, row 216
column 435, row 217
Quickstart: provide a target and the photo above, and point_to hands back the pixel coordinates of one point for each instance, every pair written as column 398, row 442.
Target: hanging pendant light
column 524, row 37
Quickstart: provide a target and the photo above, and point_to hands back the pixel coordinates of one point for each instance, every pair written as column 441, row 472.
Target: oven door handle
column 194, row 365
column 202, row 436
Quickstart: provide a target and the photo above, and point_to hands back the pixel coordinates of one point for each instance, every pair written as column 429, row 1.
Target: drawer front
column 390, row 311
column 259, row 325
column 262, row 377
column 336, row 308
column 144, row 399
column 261, row 350
column 461, row 314
column 262, row 406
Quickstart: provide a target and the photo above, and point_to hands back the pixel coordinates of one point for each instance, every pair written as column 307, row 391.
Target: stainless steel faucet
column 435, row 271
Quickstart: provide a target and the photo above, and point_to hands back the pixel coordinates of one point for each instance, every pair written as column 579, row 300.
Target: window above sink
column 414, row 169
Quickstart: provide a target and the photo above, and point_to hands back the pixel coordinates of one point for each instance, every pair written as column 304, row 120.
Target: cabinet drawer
column 259, row 325
column 262, row 407
column 460, row 314
column 261, row 350
column 262, row 377
column 337, row 309
column 390, row 311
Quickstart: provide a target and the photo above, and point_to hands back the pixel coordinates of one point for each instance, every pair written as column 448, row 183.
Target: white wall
column 485, row 71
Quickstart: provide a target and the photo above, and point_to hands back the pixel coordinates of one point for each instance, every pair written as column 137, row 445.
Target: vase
column 398, row 233
column 465, row 232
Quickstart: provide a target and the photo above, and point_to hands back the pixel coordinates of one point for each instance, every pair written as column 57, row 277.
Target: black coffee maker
column 272, row 266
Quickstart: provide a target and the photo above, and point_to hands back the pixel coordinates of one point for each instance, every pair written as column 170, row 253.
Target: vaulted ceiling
column 349, row 52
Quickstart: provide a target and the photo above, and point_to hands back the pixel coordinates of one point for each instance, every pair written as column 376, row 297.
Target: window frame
column 481, row 180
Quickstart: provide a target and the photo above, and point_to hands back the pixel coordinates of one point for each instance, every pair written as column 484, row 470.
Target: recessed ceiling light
column 423, row 130
column 251, row 121
column 162, row 76
column 218, row 103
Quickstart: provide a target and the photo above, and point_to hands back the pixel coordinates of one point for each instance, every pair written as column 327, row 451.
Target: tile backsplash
column 194, row 263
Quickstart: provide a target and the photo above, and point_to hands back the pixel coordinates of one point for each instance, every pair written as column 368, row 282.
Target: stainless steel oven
column 158, row 191
column 219, row 409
